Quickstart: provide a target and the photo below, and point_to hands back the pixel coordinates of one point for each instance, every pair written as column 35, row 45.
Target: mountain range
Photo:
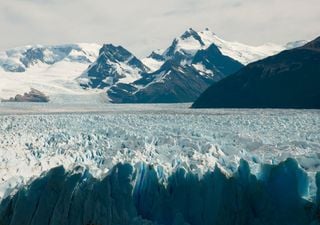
column 192, row 62
column 88, row 73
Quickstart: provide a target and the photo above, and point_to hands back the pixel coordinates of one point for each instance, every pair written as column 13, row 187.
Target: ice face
column 128, row 195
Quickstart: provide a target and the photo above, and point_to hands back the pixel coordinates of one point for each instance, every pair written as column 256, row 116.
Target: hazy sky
column 144, row 25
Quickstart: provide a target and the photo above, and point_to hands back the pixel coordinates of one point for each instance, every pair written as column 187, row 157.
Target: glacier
column 158, row 164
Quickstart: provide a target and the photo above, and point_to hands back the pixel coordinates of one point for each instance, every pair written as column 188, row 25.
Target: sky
column 144, row 25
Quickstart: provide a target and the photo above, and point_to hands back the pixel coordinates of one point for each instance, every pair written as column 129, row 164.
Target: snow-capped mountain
column 178, row 82
column 189, row 43
column 51, row 70
column 175, row 81
column 179, row 74
column 186, row 46
column 172, row 83
column 192, row 62
column 114, row 65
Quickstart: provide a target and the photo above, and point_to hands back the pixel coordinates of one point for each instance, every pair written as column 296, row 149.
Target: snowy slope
column 50, row 69
column 241, row 52
column 155, row 60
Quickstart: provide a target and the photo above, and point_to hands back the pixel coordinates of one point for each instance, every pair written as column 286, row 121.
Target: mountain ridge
column 289, row 79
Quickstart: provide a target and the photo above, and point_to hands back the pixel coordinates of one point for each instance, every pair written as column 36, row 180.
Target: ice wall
column 143, row 194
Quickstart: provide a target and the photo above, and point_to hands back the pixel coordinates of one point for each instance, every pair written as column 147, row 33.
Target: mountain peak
column 115, row 53
column 187, row 44
column 190, row 33
column 114, row 64
column 111, row 48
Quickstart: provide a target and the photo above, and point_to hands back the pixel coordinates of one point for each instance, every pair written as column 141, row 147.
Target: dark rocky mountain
column 212, row 60
column 290, row 79
column 114, row 64
column 175, row 82
column 172, row 83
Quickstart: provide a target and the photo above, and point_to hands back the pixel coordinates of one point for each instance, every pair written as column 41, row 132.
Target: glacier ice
column 173, row 162
column 164, row 135
column 137, row 195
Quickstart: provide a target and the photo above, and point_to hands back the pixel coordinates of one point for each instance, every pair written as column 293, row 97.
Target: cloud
column 144, row 25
